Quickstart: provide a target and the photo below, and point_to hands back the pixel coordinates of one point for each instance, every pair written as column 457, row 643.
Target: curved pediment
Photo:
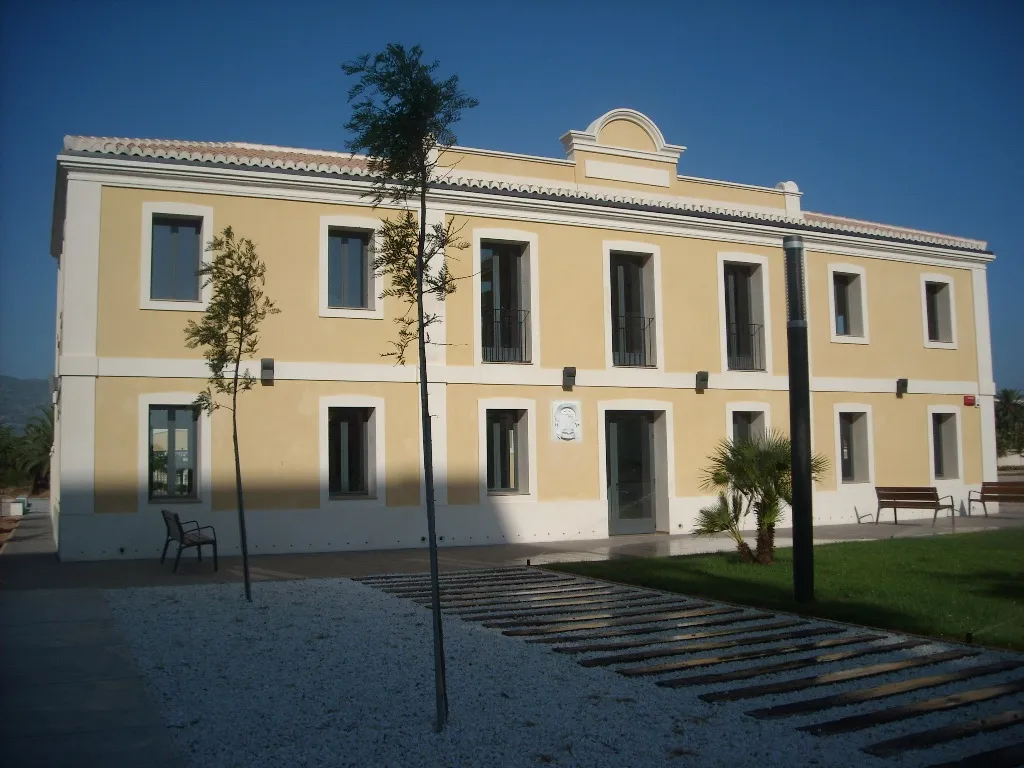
column 623, row 132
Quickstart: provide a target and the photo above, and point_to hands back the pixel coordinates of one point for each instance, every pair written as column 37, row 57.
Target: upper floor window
column 175, row 254
column 744, row 316
column 504, row 303
column 173, row 453
column 848, row 302
column 938, row 310
column 348, row 268
column 632, row 309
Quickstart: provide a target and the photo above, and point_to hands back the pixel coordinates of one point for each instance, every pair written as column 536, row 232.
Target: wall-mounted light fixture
column 701, row 382
column 901, row 387
column 568, row 378
column 267, row 371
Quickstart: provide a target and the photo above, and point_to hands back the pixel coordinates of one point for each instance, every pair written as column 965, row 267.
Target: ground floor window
column 172, row 452
column 506, row 438
column 944, row 446
column 747, row 425
column 853, row 447
column 348, row 446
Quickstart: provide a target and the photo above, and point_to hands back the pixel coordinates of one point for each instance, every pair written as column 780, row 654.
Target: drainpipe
column 799, row 420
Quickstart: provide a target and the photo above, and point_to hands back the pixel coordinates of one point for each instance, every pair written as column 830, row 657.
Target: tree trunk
column 745, row 554
column 238, row 482
column 765, row 540
column 440, row 681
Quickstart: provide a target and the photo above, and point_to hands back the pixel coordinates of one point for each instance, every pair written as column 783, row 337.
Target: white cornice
column 580, row 141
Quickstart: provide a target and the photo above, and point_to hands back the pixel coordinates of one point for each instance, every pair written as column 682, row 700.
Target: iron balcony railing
column 633, row 341
column 506, row 335
column 745, row 346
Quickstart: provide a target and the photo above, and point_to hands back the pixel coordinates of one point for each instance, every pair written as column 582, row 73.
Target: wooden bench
column 1002, row 490
column 911, row 497
column 188, row 534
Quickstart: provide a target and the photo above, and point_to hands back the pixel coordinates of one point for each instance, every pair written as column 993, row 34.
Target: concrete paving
column 70, row 690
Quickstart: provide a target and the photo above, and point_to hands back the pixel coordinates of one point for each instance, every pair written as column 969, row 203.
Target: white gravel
column 335, row 673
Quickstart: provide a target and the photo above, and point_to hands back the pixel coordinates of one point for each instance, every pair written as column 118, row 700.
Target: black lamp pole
column 799, row 420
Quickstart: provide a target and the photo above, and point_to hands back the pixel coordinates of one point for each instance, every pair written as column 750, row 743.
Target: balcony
column 633, row 341
column 745, row 346
column 505, row 334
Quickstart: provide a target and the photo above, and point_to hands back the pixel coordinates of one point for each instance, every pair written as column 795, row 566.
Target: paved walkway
column 28, row 560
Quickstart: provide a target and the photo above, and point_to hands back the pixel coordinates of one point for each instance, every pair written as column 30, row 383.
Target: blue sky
column 908, row 113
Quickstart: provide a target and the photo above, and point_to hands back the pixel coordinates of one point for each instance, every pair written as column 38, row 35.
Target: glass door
column 629, row 439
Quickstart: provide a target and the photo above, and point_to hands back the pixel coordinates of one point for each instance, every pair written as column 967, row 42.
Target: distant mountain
column 21, row 399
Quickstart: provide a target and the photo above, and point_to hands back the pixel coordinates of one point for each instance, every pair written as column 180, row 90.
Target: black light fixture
column 901, row 387
column 568, row 378
column 701, row 382
column 267, row 371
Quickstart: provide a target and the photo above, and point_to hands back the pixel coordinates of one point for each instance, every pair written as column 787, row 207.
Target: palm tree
column 1009, row 421
column 753, row 475
column 35, row 449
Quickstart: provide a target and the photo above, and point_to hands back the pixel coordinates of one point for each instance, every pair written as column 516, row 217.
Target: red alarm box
column 969, row 399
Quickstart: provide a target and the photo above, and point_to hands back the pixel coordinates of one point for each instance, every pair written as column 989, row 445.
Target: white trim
column 437, row 350
column 375, row 437
column 204, row 465
column 987, row 387
column 747, row 406
column 507, row 404
column 837, row 467
column 939, row 482
column 375, row 310
column 80, row 263
column 848, row 269
column 77, row 446
column 588, row 140
column 989, row 456
column 150, row 209
column 347, row 191
column 531, row 241
column 926, row 278
column 642, row 249
column 735, row 257
column 600, row 169
column 914, row 386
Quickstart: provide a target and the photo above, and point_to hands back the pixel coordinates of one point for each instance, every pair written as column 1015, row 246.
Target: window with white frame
column 945, row 458
column 848, row 300
column 938, row 310
column 173, row 453
column 504, row 303
column 747, row 425
column 348, row 451
column 348, row 269
column 743, row 301
column 507, row 446
column 854, row 447
column 176, row 247
column 632, row 309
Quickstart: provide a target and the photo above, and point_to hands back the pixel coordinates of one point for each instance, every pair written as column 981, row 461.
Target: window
column 504, row 305
column 854, row 448
column 938, row 312
column 945, row 459
column 175, row 255
column 848, row 303
column 348, row 449
column 506, row 451
column 172, row 453
column 747, row 424
column 632, row 310
column 744, row 316
column 348, row 267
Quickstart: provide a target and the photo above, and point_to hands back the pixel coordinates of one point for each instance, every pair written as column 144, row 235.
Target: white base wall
column 113, row 536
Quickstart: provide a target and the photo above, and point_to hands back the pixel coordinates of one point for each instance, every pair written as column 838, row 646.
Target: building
column 607, row 262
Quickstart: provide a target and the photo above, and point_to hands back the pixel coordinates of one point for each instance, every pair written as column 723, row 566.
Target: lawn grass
column 943, row 586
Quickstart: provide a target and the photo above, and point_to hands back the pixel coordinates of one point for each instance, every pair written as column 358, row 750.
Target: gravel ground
column 336, row 673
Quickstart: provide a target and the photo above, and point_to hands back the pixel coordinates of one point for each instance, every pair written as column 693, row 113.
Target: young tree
column 402, row 118
column 35, row 449
column 229, row 332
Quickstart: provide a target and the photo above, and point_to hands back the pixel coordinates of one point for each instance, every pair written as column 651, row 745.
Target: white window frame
column 375, row 283
column 848, row 269
column 747, row 406
column 945, row 410
column 508, row 404
column 837, row 466
column 376, row 474
column 931, row 277
column 151, row 209
column 531, row 252
column 653, row 252
column 204, row 462
column 736, row 257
